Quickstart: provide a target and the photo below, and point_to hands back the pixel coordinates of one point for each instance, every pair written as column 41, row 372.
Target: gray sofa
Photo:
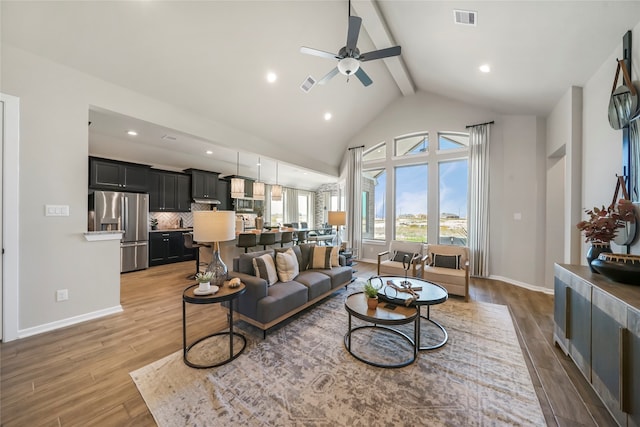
column 265, row 306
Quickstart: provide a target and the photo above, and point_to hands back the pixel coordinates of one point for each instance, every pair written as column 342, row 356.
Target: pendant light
column 276, row 190
column 258, row 187
column 237, row 184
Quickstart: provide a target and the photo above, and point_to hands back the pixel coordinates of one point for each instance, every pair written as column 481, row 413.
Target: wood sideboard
column 597, row 324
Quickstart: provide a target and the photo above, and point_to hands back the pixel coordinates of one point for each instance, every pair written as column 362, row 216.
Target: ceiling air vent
column 308, row 83
column 465, row 17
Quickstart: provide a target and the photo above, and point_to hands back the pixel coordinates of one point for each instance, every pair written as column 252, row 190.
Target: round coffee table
column 224, row 294
column 428, row 294
column 385, row 314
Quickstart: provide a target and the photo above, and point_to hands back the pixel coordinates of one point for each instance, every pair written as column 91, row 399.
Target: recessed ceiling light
column 485, row 68
column 327, row 116
column 132, row 133
column 209, row 152
column 272, row 77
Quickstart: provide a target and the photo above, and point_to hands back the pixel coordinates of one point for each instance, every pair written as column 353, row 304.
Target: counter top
column 94, row 236
column 168, row 230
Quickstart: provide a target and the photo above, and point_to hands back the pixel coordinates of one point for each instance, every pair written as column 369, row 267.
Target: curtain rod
column 480, row 124
column 353, row 148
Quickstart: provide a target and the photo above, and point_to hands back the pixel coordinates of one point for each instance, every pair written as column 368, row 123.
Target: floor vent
column 465, row 17
column 308, row 83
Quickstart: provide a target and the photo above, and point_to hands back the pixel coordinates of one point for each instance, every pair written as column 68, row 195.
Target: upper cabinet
column 105, row 174
column 169, row 192
column 203, row 184
column 223, row 193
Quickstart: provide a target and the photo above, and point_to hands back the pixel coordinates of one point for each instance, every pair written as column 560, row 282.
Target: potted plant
column 204, row 279
column 154, row 223
column 371, row 292
column 601, row 226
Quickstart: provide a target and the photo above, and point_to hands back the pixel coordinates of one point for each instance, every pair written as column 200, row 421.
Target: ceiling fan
column 349, row 56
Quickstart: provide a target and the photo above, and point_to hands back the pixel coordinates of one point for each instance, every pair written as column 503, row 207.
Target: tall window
column 430, row 186
column 411, row 203
column 374, row 186
column 303, row 208
column 277, row 211
column 453, row 178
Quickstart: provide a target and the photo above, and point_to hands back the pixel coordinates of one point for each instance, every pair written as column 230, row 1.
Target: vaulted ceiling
column 211, row 58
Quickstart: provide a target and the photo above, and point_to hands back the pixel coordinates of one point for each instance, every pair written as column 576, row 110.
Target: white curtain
column 290, row 205
column 634, row 164
column 479, row 138
column 354, row 199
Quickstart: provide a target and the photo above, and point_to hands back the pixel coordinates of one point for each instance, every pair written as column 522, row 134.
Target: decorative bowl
column 620, row 268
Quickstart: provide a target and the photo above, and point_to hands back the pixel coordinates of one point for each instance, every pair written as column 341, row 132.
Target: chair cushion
column 265, row 268
column 399, row 256
column 287, row 265
column 445, row 261
column 442, row 275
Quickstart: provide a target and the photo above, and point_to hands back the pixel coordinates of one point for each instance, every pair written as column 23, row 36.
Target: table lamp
column 215, row 227
column 337, row 218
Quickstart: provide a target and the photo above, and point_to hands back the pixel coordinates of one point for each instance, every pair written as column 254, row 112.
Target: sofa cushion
column 315, row 281
column 287, row 265
column 296, row 250
column 339, row 275
column 324, row 257
column 445, row 261
column 282, row 297
column 265, row 268
column 245, row 261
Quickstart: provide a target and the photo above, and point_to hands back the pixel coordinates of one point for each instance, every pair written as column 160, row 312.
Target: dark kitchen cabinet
column 203, row 184
column 248, row 188
column 223, row 192
column 168, row 247
column 105, row 174
column 169, row 192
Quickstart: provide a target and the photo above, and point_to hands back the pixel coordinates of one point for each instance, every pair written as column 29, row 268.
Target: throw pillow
column 399, row 256
column 264, row 268
column 287, row 265
column 446, row 261
column 324, row 257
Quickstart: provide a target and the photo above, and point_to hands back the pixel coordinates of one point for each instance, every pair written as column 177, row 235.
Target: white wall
column 602, row 145
column 517, row 176
column 54, row 105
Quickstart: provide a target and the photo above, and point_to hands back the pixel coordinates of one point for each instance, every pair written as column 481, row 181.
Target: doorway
column 9, row 159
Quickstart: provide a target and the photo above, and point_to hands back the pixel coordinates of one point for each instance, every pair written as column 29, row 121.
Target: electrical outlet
column 62, row 295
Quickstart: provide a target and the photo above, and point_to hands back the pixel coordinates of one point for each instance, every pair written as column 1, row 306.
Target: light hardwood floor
column 79, row 375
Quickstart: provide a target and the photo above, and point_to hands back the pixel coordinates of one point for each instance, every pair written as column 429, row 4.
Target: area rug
column 302, row 375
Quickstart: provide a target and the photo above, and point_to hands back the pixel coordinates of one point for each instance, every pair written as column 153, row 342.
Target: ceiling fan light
column 348, row 66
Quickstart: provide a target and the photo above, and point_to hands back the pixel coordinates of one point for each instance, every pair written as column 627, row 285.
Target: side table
column 224, row 294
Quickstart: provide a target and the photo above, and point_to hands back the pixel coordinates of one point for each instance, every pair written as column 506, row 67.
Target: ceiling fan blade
column 382, row 53
column 328, row 76
column 353, row 32
column 320, row 53
column 363, row 77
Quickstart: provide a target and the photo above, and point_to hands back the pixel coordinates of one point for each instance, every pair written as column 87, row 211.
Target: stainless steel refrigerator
column 127, row 212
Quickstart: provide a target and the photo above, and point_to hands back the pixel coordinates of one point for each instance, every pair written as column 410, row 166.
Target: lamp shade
column 214, row 226
column 237, row 188
column 337, row 218
column 276, row 192
column 258, row 190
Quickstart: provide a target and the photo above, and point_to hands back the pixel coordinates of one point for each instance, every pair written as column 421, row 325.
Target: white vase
column 204, row 286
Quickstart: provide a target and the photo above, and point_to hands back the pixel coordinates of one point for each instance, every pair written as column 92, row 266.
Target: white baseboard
column 522, row 284
column 23, row 333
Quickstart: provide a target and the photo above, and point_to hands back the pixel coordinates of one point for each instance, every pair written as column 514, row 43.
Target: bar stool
column 189, row 244
column 287, row 237
column 303, row 236
column 267, row 239
column 247, row 240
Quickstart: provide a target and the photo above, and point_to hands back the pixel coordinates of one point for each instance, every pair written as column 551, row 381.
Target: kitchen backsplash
column 168, row 220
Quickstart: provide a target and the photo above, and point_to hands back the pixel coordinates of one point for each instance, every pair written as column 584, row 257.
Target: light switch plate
column 56, row 210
